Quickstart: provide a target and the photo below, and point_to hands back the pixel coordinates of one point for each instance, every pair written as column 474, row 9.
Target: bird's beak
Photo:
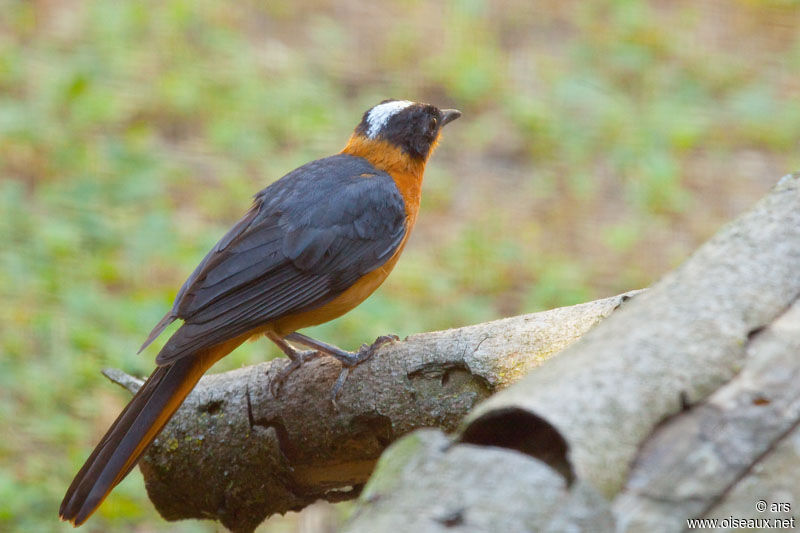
column 449, row 115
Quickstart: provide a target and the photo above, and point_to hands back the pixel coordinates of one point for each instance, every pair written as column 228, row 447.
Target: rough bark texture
column 693, row 463
column 684, row 403
column 236, row 454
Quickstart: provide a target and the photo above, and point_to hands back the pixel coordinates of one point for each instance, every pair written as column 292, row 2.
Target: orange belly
column 357, row 293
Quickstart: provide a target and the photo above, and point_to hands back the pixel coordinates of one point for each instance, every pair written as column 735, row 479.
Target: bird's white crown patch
column 380, row 114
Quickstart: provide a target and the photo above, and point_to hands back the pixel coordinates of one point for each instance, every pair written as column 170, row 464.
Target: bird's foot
column 351, row 360
column 296, row 361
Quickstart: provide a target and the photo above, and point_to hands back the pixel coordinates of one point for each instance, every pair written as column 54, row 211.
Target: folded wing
column 308, row 237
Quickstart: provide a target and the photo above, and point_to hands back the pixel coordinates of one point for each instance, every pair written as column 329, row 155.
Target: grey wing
column 307, row 239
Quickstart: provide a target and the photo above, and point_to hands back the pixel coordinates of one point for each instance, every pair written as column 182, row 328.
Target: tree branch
column 661, row 413
column 236, row 454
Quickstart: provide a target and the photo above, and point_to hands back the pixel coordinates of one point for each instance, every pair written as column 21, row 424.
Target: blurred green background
column 601, row 142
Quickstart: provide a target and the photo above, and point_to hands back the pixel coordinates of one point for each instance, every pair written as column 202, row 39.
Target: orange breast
column 406, row 171
column 349, row 299
column 407, row 174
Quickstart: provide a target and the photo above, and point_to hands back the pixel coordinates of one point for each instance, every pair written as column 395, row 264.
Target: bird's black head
column 411, row 126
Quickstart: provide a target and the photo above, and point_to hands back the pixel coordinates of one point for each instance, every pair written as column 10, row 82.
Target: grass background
column 601, row 142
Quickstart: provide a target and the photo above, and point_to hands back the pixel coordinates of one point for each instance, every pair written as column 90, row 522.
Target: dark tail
column 130, row 435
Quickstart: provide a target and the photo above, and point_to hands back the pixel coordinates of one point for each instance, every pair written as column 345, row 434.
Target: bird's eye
column 432, row 124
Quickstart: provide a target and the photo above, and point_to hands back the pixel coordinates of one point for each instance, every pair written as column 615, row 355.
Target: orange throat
column 405, row 170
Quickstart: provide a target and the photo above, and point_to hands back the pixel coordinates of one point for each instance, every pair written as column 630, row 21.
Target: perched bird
column 313, row 246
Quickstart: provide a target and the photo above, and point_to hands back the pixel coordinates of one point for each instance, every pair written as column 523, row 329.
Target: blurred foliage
column 601, row 142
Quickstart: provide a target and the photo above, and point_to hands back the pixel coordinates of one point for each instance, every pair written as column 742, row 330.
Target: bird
column 313, row 245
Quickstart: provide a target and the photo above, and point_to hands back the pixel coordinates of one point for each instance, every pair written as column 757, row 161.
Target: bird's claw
column 364, row 353
column 296, row 362
column 368, row 350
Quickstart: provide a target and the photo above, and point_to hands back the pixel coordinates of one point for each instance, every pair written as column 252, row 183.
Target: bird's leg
column 349, row 360
column 297, row 359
